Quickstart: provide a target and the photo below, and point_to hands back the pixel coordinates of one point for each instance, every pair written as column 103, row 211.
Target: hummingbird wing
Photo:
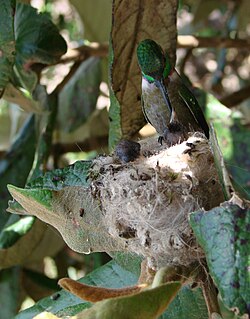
column 194, row 107
column 143, row 111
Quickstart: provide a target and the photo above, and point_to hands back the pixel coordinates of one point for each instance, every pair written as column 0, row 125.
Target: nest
column 146, row 203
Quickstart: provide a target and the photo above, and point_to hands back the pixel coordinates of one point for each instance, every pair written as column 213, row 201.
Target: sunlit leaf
column 35, row 34
column 73, row 212
column 72, row 175
column 14, row 230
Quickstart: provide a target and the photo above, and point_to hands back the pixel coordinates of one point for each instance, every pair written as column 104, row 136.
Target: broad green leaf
column 72, row 175
column 14, row 230
column 238, row 164
column 16, row 165
column 25, row 40
column 129, row 261
column 190, row 300
column 35, row 34
column 7, row 42
column 223, row 233
column 110, row 275
column 78, row 98
column 131, row 24
column 73, row 212
column 10, row 292
column 220, row 165
column 233, row 139
column 147, row 304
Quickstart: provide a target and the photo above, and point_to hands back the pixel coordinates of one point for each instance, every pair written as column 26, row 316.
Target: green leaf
column 72, row 175
column 40, row 197
column 129, row 261
column 35, row 34
column 233, row 139
column 223, row 233
column 110, row 275
column 220, row 165
column 14, row 230
column 238, row 164
column 7, row 42
column 77, row 100
column 74, row 213
column 16, row 165
column 190, row 300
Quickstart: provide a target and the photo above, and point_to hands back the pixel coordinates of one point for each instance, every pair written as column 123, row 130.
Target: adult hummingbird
column 167, row 103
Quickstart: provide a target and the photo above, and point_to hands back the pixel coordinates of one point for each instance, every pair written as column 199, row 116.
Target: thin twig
column 72, row 71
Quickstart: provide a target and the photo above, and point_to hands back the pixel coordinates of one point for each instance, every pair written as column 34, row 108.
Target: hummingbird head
column 154, row 64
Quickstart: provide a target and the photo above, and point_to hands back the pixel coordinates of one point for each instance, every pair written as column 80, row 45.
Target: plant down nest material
column 146, row 203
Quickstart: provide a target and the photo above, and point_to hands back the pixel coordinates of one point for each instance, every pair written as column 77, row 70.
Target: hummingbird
column 167, row 103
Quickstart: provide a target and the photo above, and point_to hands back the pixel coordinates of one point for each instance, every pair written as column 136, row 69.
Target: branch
column 190, row 41
column 89, row 144
column 72, row 71
column 85, row 51
column 183, row 41
column 236, row 98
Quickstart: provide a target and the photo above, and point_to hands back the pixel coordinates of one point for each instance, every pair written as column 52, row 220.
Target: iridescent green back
column 151, row 58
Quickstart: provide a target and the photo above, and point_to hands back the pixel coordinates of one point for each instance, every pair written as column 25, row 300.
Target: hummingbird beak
column 160, row 84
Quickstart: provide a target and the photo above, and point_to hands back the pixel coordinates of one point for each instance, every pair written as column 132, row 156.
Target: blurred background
column 220, row 76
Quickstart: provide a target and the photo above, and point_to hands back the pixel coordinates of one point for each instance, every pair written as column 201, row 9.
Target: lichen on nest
column 146, row 202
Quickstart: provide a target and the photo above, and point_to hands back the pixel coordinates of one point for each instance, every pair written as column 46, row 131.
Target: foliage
column 62, row 110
